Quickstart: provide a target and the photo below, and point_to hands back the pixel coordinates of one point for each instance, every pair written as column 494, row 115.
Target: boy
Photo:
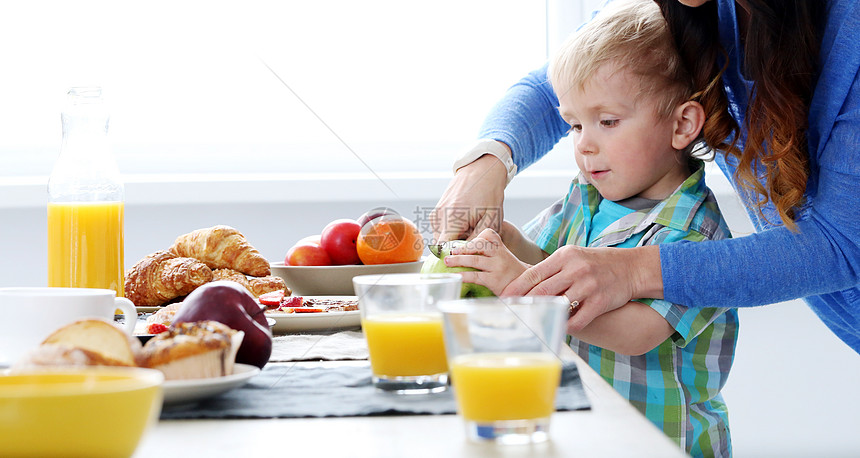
column 634, row 122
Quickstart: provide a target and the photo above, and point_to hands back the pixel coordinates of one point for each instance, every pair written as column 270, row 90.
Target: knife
column 442, row 248
column 436, row 250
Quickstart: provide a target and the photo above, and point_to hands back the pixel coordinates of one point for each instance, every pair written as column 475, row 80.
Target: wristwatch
column 493, row 148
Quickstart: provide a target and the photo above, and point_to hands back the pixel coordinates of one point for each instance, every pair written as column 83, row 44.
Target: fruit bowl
column 334, row 280
column 95, row 411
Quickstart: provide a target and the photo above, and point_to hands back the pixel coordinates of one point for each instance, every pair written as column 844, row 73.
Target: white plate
column 322, row 321
column 181, row 391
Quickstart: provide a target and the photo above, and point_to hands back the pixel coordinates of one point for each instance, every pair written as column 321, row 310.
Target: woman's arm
column 776, row 264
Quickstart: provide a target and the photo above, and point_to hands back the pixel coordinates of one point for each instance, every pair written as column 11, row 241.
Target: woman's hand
column 472, row 202
column 496, row 265
column 599, row 279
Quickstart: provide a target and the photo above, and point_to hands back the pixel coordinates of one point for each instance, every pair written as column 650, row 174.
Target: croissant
column 256, row 285
column 222, row 247
column 162, row 276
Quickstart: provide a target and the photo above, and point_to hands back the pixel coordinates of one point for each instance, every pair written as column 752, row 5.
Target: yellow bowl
column 95, row 411
column 334, row 280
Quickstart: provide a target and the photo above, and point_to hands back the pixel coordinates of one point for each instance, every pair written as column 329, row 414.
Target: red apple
column 307, row 254
column 338, row 239
column 374, row 213
column 230, row 303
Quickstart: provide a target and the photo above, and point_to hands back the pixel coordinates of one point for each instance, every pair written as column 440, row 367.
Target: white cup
column 29, row 315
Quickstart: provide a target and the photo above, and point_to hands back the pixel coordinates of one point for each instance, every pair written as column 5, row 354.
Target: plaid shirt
column 677, row 384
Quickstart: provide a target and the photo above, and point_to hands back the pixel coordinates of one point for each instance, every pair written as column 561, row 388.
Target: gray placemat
column 346, row 391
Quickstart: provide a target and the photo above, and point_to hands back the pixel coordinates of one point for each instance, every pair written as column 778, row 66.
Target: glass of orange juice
column 403, row 329
column 505, row 368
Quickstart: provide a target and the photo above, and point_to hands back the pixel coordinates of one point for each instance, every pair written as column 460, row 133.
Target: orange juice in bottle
column 85, row 245
column 85, row 200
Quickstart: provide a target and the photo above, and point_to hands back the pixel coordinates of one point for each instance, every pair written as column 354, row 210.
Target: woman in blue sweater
column 787, row 117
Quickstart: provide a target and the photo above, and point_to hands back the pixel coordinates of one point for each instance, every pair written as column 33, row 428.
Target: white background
column 380, row 85
column 205, row 134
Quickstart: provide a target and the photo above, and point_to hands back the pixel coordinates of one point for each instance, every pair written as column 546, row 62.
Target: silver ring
column 573, row 306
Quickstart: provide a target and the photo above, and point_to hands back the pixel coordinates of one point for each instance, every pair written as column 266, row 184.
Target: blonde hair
column 633, row 36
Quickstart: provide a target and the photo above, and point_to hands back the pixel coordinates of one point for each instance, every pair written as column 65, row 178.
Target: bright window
column 381, row 85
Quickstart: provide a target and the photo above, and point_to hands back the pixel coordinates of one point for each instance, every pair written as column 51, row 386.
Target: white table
column 611, row 428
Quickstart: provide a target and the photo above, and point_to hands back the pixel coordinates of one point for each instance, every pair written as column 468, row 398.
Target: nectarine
column 307, row 254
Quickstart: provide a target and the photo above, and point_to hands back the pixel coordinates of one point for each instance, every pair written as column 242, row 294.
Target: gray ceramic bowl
column 334, row 280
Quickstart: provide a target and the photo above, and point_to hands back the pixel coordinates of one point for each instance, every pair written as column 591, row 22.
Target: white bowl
column 334, row 280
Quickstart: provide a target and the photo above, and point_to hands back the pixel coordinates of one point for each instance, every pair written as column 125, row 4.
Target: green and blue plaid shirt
column 677, row 384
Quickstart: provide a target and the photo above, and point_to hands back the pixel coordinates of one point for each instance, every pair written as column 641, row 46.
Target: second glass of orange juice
column 403, row 329
column 505, row 349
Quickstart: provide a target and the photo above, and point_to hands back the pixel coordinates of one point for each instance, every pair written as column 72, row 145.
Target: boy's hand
column 510, row 234
column 520, row 246
column 496, row 265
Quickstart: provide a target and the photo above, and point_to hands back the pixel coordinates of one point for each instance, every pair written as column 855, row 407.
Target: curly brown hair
column 780, row 58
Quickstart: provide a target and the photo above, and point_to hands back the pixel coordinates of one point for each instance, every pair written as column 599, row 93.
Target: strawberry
column 292, row 301
column 271, row 300
column 156, row 328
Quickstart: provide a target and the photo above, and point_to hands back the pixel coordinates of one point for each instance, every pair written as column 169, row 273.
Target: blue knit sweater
column 821, row 262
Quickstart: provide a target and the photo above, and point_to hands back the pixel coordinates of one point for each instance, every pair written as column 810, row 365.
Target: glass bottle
column 85, row 200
